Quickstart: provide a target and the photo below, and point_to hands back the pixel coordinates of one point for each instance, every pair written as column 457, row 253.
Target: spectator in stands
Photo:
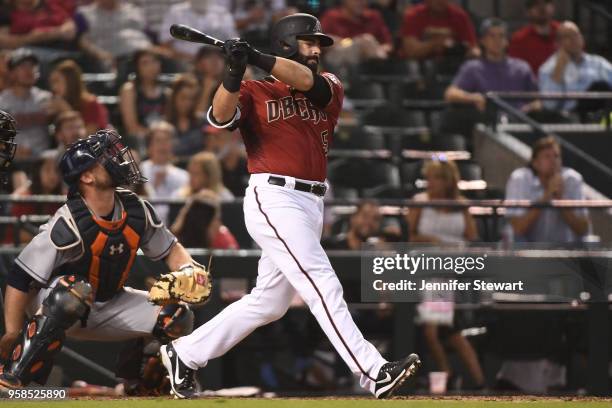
column 436, row 28
column 365, row 225
column 359, row 33
column 536, row 41
column 70, row 93
column 209, row 66
column 47, row 23
column 69, row 127
column 229, row 149
column 205, row 174
column 198, row 224
column 114, row 30
column 389, row 12
column 45, row 179
column 27, row 103
column 165, row 179
column 154, row 12
column 3, row 70
column 571, row 69
column 204, row 15
column 182, row 113
column 495, row 71
column 543, row 180
column 254, row 17
column 441, row 225
column 199, row 220
column 142, row 100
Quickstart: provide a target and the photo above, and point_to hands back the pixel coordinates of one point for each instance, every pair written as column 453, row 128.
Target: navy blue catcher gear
column 288, row 30
column 103, row 147
column 8, row 131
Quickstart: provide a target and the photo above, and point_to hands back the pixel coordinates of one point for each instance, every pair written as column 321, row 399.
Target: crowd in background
column 46, row 46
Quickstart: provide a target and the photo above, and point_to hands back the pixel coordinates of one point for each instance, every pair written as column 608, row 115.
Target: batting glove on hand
column 237, row 52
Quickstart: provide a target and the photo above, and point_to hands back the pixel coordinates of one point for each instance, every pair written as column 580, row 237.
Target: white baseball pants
column 287, row 225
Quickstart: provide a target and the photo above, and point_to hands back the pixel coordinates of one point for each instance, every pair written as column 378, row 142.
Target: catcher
column 70, row 278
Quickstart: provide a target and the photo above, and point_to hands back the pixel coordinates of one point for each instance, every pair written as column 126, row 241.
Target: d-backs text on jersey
column 288, row 107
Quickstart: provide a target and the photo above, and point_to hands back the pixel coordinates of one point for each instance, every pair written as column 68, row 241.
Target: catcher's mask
column 289, row 29
column 8, row 131
column 104, row 148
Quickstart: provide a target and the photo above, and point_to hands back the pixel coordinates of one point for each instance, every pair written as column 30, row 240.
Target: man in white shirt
column 571, row 69
column 204, row 15
column 164, row 177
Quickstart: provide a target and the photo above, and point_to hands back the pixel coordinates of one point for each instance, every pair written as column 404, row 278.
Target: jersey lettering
column 288, row 106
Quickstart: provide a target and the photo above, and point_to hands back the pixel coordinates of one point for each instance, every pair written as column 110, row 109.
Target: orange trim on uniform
column 133, row 239
column 111, row 225
column 94, row 268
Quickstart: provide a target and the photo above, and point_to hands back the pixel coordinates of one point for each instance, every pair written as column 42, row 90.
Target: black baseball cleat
column 392, row 375
column 182, row 378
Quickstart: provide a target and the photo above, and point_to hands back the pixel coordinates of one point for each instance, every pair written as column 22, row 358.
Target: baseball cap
column 490, row 23
column 19, row 56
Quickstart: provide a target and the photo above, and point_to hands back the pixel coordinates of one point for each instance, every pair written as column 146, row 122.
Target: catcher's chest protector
column 109, row 246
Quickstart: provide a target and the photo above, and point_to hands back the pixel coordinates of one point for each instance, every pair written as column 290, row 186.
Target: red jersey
column 284, row 133
column 528, row 45
column 335, row 22
column 419, row 19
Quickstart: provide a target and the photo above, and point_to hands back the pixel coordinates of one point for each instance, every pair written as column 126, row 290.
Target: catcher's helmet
column 288, row 29
column 8, row 131
column 103, row 147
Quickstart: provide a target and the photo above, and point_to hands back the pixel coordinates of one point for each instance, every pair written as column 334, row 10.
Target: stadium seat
column 449, row 142
column 358, row 138
column 363, row 174
column 469, row 171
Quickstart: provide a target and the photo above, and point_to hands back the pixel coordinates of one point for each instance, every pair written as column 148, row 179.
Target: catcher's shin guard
column 174, row 320
column 44, row 334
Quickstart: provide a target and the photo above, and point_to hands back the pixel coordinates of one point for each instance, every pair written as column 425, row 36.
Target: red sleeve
column 411, row 27
column 467, row 32
column 335, row 105
column 382, row 33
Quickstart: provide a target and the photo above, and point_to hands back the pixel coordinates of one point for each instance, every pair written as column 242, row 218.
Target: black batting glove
column 237, row 52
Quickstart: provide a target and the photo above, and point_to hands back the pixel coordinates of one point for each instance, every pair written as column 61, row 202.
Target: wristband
column 263, row 61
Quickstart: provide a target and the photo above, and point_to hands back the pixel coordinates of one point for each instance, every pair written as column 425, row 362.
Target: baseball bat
column 186, row 33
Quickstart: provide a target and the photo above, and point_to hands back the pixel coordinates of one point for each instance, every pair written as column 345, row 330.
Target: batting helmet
column 103, row 147
column 8, row 131
column 289, row 29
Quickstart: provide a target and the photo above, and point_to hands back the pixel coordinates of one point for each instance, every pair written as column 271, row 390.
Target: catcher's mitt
column 190, row 284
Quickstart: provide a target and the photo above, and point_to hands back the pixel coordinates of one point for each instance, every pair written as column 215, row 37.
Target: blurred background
column 495, row 107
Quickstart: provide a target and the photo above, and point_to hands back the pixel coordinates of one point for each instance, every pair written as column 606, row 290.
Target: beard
column 311, row 63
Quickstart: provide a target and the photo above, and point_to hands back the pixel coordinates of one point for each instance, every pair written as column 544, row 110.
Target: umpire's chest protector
column 109, row 246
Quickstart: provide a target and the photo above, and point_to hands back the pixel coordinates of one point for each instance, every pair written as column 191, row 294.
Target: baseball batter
column 287, row 121
column 70, row 278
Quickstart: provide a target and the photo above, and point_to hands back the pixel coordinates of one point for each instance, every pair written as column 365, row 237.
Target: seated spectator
column 205, row 174
column 45, row 179
column 209, row 66
column 536, row 41
column 389, row 12
column 436, row 28
column 495, row 71
column 229, row 149
column 441, row 225
column 165, row 179
column 206, row 16
column 543, row 180
column 253, row 18
column 70, row 93
column 47, row 23
column 142, row 99
column 69, row 127
column 182, row 114
column 27, row 103
column 365, row 225
column 198, row 224
column 115, row 30
column 154, row 12
column 571, row 69
column 359, row 34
